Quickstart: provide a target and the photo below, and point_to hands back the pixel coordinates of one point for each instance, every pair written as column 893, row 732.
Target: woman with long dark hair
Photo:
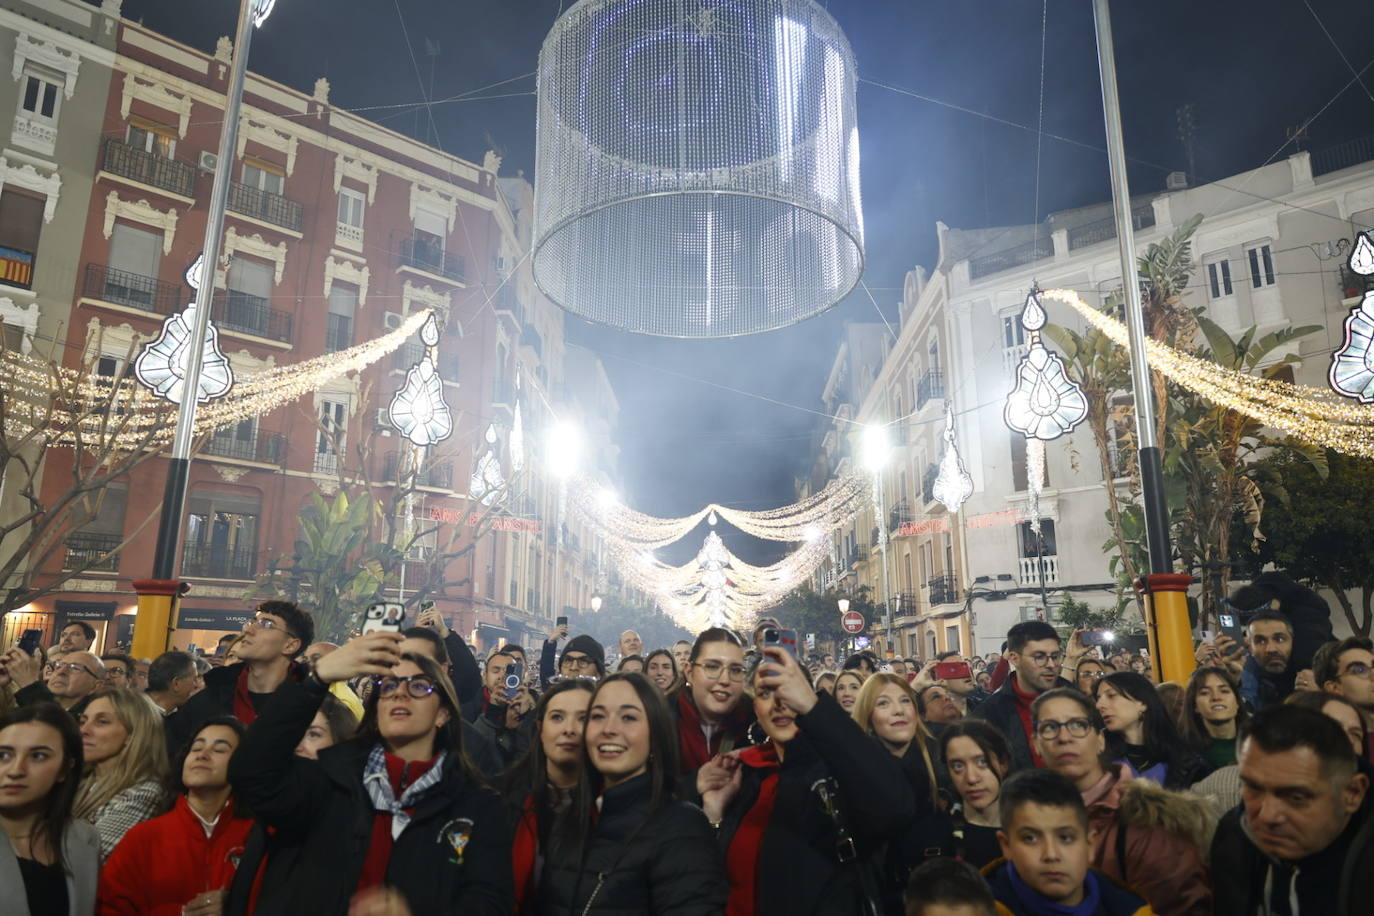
column 395, row 820
column 710, row 710
column 661, row 669
column 49, row 860
column 181, row 863
column 625, row 845
column 1142, row 734
column 539, row 787
column 1213, row 715
column 804, row 816
column 978, row 760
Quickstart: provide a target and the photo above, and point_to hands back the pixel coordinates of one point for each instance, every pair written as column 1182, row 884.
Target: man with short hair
column 172, row 680
column 583, row 656
column 682, row 654
column 630, row 644
column 1269, row 674
column 898, row 667
column 1302, row 840
column 119, row 669
column 1035, row 654
column 948, row 887
column 77, row 636
column 272, row 638
column 75, row 677
column 1346, row 668
column 1309, row 627
column 503, row 713
column 938, row 708
column 139, row 680
column 316, row 651
column 864, row 661
column 1046, row 850
column 222, row 646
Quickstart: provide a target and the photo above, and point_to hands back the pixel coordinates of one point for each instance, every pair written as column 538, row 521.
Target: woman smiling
column 625, row 845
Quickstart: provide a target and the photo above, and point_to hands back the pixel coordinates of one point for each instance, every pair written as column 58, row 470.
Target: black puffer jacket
column 798, row 870
column 634, row 862
column 320, row 819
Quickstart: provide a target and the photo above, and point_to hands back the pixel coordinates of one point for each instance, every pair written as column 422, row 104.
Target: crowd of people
column 404, row 773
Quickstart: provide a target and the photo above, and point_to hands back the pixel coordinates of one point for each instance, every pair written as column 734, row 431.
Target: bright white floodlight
column 844, row 605
column 563, row 449
column 875, row 447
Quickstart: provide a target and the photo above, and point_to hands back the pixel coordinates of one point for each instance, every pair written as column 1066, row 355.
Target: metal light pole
column 877, row 450
column 153, row 625
column 1165, row 592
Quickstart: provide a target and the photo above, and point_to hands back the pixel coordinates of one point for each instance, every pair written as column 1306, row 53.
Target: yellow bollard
column 157, row 603
column 1166, row 622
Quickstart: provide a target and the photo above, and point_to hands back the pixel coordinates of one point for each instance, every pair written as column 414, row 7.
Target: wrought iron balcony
column 943, row 590
column 267, row 448
column 84, row 551
column 266, row 206
column 407, row 355
column 928, row 482
column 857, row 554
column 218, row 562
column 1035, row 250
column 1343, row 156
column 338, row 333
column 931, row 387
column 110, row 284
column 434, row 474
column 903, row 604
column 432, row 259
column 249, row 314
column 148, row 168
column 898, row 516
column 1103, row 229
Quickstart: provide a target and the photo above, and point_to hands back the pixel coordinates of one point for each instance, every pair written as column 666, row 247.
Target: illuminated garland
column 717, row 587
column 148, row 427
column 1314, row 414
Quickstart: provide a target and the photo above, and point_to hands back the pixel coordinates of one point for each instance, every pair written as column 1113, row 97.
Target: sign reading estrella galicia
column 212, row 619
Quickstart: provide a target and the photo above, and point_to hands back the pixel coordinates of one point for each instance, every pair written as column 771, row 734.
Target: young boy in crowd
column 948, row 887
column 1044, row 839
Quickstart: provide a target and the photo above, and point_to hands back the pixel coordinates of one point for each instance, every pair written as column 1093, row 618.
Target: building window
column 221, row 536
column 1032, row 545
column 21, row 221
column 263, row 176
column 1013, row 333
column 343, row 304
column 135, row 251
column 1261, row 260
column 952, row 638
column 351, row 204
column 41, row 95
column 329, row 441
column 1219, row 278
column 152, row 138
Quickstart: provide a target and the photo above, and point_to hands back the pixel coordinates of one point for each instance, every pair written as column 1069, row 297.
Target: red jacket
column 162, row 863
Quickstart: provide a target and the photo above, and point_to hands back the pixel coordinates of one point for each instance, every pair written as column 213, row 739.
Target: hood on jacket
column 1142, row 803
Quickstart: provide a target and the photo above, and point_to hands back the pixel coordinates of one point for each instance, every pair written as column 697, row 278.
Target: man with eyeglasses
column 583, row 656
column 119, row 669
column 272, row 638
column 74, row 678
column 1346, row 668
column 1035, row 656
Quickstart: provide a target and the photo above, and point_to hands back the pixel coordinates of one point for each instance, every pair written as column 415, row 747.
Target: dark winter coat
column 320, row 821
column 799, row 871
column 1115, row 900
column 635, row 862
column 509, row 744
column 1310, row 617
column 1338, row 881
column 999, row 711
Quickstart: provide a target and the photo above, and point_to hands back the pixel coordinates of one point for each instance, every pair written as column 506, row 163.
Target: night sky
column 1252, row 69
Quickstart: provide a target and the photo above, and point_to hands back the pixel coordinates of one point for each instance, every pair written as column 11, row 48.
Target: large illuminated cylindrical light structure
column 697, row 165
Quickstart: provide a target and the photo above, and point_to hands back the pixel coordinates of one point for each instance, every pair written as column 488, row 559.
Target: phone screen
column 29, row 641
column 952, row 671
column 384, row 615
column 515, row 676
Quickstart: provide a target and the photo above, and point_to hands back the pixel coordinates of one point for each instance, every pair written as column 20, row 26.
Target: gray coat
column 80, row 850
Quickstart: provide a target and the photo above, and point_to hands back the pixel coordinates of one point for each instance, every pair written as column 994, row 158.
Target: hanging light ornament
column 161, row 365
column 697, row 165
column 418, row 410
column 1352, row 366
column 1045, row 404
column 954, row 484
column 487, row 480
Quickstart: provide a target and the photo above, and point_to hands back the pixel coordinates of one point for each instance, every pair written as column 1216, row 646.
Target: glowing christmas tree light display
column 954, row 484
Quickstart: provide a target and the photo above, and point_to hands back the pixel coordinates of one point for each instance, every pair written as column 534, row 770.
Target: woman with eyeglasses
column 1088, row 673
column 181, row 863
column 791, row 811
column 661, row 669
column 709, row 714
column 125, row 771
column 624, row 845
column 395, row 821
column 49, row 859
column 539, row 787
column 1142, row 734
column 1143, row 836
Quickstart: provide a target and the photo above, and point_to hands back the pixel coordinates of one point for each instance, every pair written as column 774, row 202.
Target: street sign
column 853, row 622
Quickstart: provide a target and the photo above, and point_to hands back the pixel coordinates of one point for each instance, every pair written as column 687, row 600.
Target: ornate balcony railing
column 943, row 590
column 268, row 448
column 1103, row 229
column 148, row 168
column 110, row 284
column 249, row 314
column 266, row 206
column 85, row 548
column 432, row 259
column 218, row 563
column 1034, row 250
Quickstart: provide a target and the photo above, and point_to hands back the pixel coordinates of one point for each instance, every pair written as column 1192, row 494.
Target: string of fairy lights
column 60, row 398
